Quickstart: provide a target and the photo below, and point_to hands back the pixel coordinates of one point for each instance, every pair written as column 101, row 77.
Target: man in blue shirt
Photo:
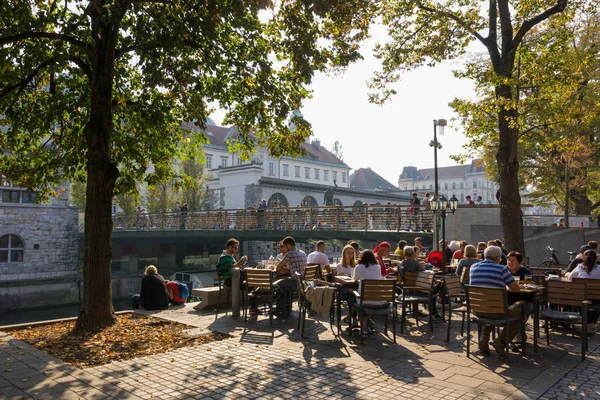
column 490, row 273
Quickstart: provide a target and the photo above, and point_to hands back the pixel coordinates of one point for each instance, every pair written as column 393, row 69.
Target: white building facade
column 460, row 181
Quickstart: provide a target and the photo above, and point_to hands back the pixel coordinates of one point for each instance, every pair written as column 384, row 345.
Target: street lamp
column 436, row 145
column 440, row 207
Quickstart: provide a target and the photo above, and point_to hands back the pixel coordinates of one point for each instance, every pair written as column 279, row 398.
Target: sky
column 385, row 138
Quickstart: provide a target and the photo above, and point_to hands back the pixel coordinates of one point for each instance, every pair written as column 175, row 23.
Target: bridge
column 330, row 221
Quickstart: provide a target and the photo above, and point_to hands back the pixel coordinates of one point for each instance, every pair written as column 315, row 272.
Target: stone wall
column 50, row 236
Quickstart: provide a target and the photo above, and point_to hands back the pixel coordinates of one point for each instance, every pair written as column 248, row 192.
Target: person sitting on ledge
column 153, row 294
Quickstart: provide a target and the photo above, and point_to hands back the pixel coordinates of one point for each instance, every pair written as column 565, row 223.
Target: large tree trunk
column 97, row 310
column 508, row 169
column 581, row 202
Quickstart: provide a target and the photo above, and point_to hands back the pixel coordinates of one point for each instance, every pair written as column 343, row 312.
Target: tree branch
column 87, row 70
column 44, row 35
column 530, row 23
column 456, row 19
column 25, row 81
column 506, row 27
column 492, row 38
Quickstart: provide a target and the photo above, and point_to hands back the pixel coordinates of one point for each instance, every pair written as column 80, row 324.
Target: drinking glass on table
column 517, row 279
column 528, row 279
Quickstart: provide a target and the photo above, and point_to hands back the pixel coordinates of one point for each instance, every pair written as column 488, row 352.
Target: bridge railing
column 338, row 218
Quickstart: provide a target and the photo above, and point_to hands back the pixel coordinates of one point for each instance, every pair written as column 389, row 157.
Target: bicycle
column 549, row 261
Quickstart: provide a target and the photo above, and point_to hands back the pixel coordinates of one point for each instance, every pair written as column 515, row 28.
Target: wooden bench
column 210, row 297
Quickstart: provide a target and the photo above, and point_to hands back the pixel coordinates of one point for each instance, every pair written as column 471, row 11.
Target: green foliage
column 160, row 198
column 556, row 95
column 336, row 150
column 171, row 60
column 77, row 195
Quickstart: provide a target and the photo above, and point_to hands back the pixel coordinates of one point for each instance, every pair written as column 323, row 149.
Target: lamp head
column 453, row 203
column 443, row 203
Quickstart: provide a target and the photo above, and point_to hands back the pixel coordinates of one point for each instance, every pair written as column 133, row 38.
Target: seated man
column 319, row 257
column 226, row 261
column 490, row 273
column 293, row 262
column 153, row 294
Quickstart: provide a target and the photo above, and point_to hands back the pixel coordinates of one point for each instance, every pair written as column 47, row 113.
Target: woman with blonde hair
column 348, row 262
column 153, row 294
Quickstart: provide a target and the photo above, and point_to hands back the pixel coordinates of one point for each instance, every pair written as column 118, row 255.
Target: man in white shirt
column 319, row 256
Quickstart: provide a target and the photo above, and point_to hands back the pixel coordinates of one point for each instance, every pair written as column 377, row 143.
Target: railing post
column 235, row 293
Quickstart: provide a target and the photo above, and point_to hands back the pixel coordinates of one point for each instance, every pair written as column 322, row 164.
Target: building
column 288, row 181
column 367, row 179
column 38, row 250
column 459, row 180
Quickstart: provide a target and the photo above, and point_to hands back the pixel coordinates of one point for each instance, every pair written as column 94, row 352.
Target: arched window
column 11, row 249
column 337, row 202
column 309, row 201
column 279, row 198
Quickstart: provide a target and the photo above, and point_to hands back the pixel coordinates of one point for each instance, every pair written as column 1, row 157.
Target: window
column 334, row 175
column 445, row 186
column 28, row 197
column 307, row 172
column 462, row 197
column 474, row 184
column 271, row 168
column 430, row 187
column 297, row 171
column 10, row 196
column 224, row 161
column 454, row 186
column 11, row 249
column 286, row 170
column 325, row 175
column 462, row 185
column 317, row 172
column 209, row 163
column 343, row 177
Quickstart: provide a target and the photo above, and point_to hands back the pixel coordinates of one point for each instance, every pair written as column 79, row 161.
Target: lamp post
column 440, row 207
column 436, row 145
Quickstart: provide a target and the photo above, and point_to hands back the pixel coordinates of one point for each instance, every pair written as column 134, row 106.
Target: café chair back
column 417, row 289
column 488, row 306
column 259, row 286
column 310, row 272
column 465, row 275
column 382, row 291
column 561, row 293
column 453, row 293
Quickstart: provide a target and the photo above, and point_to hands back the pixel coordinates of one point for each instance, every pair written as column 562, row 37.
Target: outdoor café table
column 340, row 282
column 526, row 293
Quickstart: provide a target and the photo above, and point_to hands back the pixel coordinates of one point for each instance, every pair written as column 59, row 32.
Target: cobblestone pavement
column 583, row 382
column 272, row 361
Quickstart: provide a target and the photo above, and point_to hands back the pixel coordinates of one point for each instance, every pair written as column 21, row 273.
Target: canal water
column 43, row 314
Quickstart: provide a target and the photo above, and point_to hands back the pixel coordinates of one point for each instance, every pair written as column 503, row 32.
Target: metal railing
column 333, row 218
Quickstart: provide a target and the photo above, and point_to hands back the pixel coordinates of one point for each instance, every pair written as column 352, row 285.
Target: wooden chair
column 559, row 293
column 259, row 286
column 380, row 290
column 465, row 275
column 489, row 306
column 453, row 291
column 310, row 272
column 304, row 304
column 593, row 292
column 417, row 289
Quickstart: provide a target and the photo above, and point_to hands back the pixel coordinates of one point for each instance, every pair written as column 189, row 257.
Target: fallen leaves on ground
column 131, row 336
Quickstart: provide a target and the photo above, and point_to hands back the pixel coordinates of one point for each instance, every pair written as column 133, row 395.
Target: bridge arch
column 309, row 201
column 281, row 200
column 337, row 202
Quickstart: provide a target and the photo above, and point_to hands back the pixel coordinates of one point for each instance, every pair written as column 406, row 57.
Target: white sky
column 389, row 137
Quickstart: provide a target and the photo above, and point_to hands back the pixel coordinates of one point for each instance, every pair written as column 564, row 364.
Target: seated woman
column 588, row 270
column 153, row 294
column 513, row 262
column 346, row 268
column 368, row 268
column 469, row 258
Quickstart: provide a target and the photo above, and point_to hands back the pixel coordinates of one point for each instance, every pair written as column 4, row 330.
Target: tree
column 557, row 111
column 194, row 193
column 101, row 87
column 336, row 150
column 77, row 194
column 160, row 198
column 427, row 32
